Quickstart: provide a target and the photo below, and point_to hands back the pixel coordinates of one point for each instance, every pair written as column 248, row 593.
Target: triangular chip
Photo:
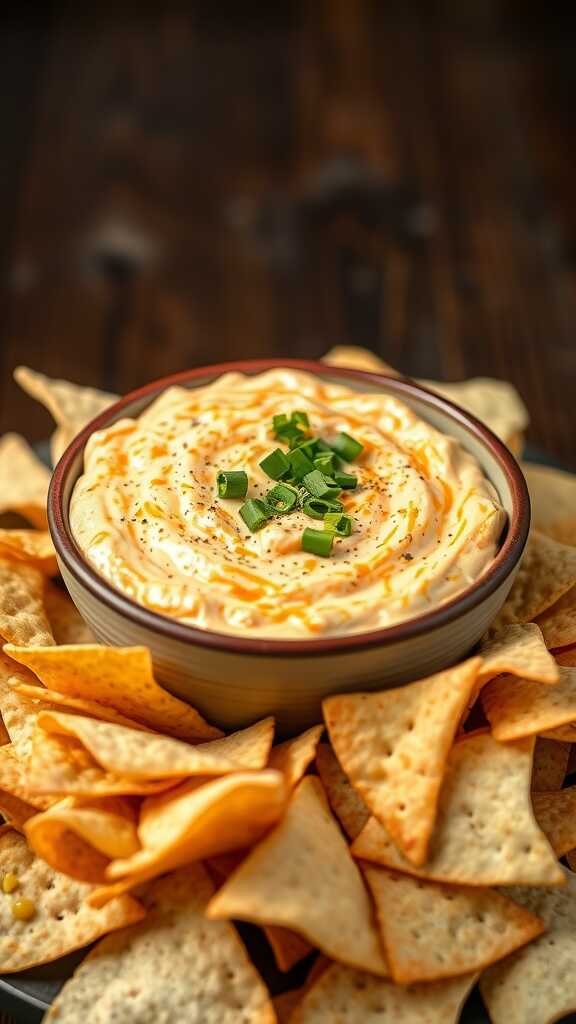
column 537, row 985
column 521, row 651
column 433, row 931
column 19, row 713
column 60, row 921
column 344, row 996
column 302, row 877
column 24, row 481
column 558, row 623
column 34, row 547
column 550, row 764
column 67, row 624
column 17, row 812
column 288, row 947
column 495, row 402
column 14, row 779
column 347, row 804
column 72, row 406
column 555, row 812
column 42, row 697
column 547, row 571
column 121, row 677
column 354, row 357
column 519, row 707
column 175, row 966
column 553, row 500
column 485, row 833
column 393, row 746
column 293, row 756
column 23, row 618
column 248, row 748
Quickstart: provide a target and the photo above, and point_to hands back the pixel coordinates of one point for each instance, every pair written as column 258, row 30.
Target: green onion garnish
column 308, row 447
column 282, row 498
column 255, row 514
column 275, row 465
column 280, row 421
column 291, row 435
column 318, row 508
column 348, row 448
column 300, row 464
column 337, row 523
column 320, row 486
column 232, row 484
column 347, row 481
column 325, row 462
column 317, row 542
column 301, row 418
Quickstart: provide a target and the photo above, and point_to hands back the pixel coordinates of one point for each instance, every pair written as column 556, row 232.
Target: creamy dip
column 426, row 521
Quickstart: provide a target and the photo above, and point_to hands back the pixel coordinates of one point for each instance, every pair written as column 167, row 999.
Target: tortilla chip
column 62, row 921
column 519, row 707
column 354, row 357
column 16, row 811
column 293, row 757
column 67, row 624
column 393, row 746
column 80, row 838
column 24, row 481
column 550, row 764
column 23, row 618
column 485, row 833
column 519, row 650
column 248, row 748
column 553, row 500
column 558, row 623
column 344, row 996
column 348, row 806
column 537, row 985
column 133, row 754
column 43, row 697
column 14, row 779
column 433, row 931
column 286, row 1003
column 303, row 878
column 34, row 547
column 547, row 571
column 120, row 677
column 555, row 812
column 288, row 948
column 495, row 402
column 19, row 713
column 176, row 965
column 71, row 406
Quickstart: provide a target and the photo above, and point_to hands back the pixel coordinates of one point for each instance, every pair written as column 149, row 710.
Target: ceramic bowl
column 233, row 680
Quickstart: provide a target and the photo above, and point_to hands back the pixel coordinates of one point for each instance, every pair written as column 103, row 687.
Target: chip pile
column 395, row 854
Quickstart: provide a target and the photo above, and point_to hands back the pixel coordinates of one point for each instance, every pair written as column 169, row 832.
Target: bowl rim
column 505, row 561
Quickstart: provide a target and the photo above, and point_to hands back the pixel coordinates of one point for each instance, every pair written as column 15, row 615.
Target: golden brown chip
column 175, row 966
column 14, row 779
column 23, row 618
column 495, row 402
column 354, row 357
column 293, row 757
column 550, row 764
column 288, row 947
column 485, row 832
column 433, row 931
column 558, row 623
column 519, row 650
column 67, row 624
column 42, row 697
column 547, row 571
column 15, row 810
column 537, row 984
column 347, row 804
column 519, row 707
column 553, row 500
column 120, row 677
column 24, row 481
column 302, row 877
column 248, row 748
column 393, row 746
column 34, row 547
column 286, row 1003
column 19, row 713
column 555, row 812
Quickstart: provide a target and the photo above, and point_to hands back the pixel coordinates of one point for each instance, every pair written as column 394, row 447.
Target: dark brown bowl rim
column 475, row 594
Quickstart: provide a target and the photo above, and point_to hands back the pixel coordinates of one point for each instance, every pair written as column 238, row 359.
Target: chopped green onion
column 291, row 435
column 275, row 465
column 279, row 421
column 318, row 508
column 317, row 542
column 337, row 523
column 323, row 447
column 299, row 463
column 347, row 481
column 301, row 417
column 346, row 447
column 255, row 514
column 325, row 462
column 232, row 484
column 320, row 486
column 282, row 498
column 308, row 447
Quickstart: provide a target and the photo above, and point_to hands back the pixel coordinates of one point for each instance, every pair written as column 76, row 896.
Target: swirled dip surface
column 145, row 512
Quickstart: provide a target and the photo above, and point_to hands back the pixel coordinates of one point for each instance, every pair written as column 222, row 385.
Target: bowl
column 233, row 680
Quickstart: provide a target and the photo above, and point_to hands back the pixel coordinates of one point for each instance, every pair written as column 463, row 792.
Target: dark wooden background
column 189, row 183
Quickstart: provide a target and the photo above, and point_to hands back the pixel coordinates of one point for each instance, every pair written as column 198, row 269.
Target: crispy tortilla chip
column 288, row 947
column 485, row 833
column 347, row 804
column 19, row 713
column 16, row 811
column 519, row 707
column 80, row 837
column 393, row 746
column 286, row 1003
column 344, row 996
column 34, row 547
column 24, row 481
column 293, row 757
column 120, row 677
column 547, row 571
column 136, row 755
column 175, row 966
column 558, row 623
column 42, row 697
column 67, row 624
column 555, row 812
column 23, row 618
column 62, row 920
column 14, row 779
column 550, row 764
column 303, row 878
column 354, row 357
column 433, row 931
column 537, row 985
column 495, row 402
column 553, row 500
column 71, row 406
column 519, row 650
column 248, row 748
